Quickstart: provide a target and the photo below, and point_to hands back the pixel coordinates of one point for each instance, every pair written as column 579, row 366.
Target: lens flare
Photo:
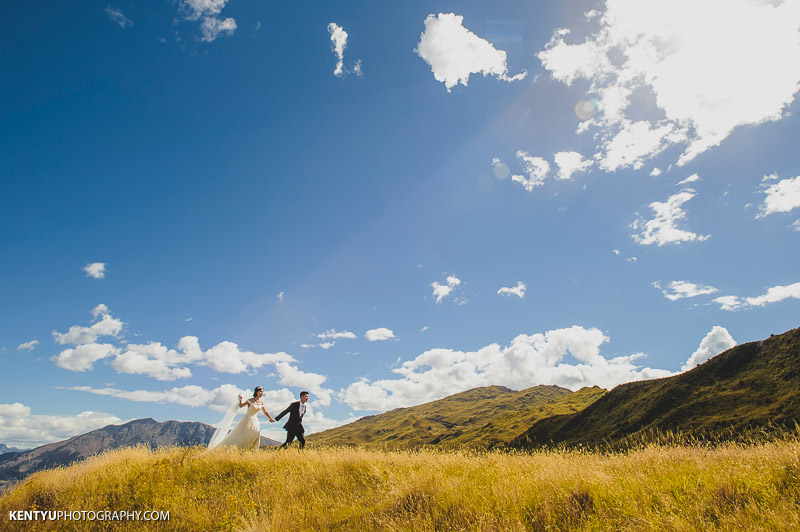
column 585, row 109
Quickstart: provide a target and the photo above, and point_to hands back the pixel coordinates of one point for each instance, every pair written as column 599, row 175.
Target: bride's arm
column 241, row 404
column 264, row 408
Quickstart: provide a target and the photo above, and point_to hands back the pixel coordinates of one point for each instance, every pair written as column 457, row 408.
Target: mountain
column 14, row 466
column 6, row 449
column 484, row 417
column 751, row 386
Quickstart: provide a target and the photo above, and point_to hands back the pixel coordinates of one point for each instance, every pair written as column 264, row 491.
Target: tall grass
column 753, row 486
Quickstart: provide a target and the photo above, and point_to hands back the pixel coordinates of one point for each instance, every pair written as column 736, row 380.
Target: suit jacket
column 295, row 421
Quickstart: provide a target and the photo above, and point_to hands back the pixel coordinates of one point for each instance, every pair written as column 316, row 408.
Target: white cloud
column 518, row 290
column 280, row 296
column 529, row 360
column 116, row 15
column 691, row 179
column 290, row 375
column 454, row 53
column 333, row 334
column 28, row 346
column 379, row 334
column 99, row 310
column 655, row 172
column 425, row 328
column 107, row 326
column 96, row 270
column 536, row 168
column 783, row 196
column 729, row 302
column 212, row 27
column 327, row 345
column 796, row 225
column 338, row 44
column 194, row 9
column 709, row 67
column 714, row 343
column 83, row 357
column 225, row 357
column 775, row 294
column 682, row 289
column 570, row 162
column 632, row 259
column 616, row 251
column 19, row 427
column 442, row 291
column 153, row 359
column 662, row 228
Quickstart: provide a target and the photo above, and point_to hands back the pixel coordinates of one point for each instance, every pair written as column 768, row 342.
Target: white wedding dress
column 247, row 433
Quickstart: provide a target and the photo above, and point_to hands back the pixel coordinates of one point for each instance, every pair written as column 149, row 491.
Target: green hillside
column 500, row 430
column 751, row 386
column 449, row 419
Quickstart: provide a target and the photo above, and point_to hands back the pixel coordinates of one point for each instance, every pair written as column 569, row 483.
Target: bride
column 247, row 433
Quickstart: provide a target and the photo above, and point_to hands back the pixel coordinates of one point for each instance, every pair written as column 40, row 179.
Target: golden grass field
column 658, row 487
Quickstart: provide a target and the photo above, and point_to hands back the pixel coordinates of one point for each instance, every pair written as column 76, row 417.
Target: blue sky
column 384, row 203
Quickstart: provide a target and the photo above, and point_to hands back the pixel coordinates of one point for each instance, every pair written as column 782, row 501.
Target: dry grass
column 659, row 487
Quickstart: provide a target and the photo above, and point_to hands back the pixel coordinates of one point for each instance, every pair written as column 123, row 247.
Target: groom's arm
column 283, row 413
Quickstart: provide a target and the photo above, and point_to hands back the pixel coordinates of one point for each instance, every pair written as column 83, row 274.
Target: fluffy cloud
column 783, row 196
column 662, row 228
column 153, row 359
column 338, row 44
column 518, row 290
column 527, row 361
column 715, row 342
column 333, row 334
column 535, row 167
column 116, row 15
column 772, row 295
column 571, row 162
column 107, row 326
column 212, row 26
column 96, row 270
column 442, row 291
column 19, row 427
column 454, row 53
column 729, row 302
column 651, row 47
column 379, row 334
column 83, row 357
column 290, row 375
column 682, row 289
column 28, row 346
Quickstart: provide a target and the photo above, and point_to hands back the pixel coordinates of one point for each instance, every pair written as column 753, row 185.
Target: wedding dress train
column 247, row 433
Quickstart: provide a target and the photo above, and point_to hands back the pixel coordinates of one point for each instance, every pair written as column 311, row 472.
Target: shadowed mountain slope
column 753, row 385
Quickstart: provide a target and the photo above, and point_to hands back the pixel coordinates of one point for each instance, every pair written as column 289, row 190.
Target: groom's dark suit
column 294, row 425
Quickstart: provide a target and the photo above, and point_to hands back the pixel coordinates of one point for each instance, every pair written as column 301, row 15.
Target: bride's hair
column 258, row 389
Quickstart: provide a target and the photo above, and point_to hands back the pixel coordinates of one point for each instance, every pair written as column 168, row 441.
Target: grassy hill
column 752, row 386
column 733, row 487
column 452, row 418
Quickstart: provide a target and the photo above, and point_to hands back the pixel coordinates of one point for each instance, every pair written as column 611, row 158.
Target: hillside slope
column 447, row 419
column 749, row 386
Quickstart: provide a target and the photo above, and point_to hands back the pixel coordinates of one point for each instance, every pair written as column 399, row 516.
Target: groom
column 294, row 426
